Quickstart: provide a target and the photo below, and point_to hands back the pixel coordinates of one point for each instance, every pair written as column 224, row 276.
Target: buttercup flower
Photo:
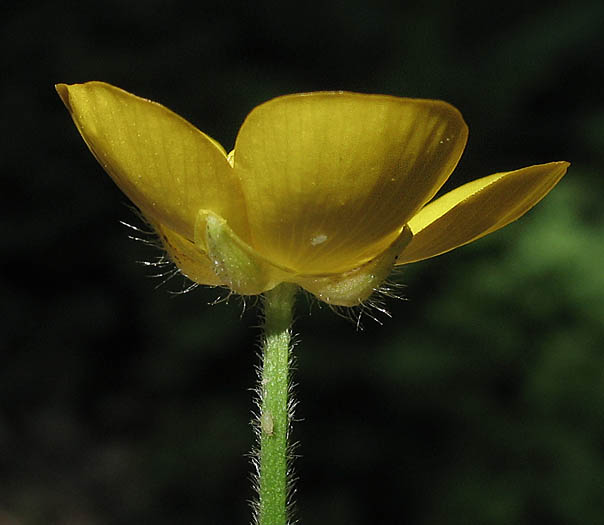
column 327, row 190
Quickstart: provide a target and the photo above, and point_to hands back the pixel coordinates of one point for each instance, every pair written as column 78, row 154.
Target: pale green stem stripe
column 274, row 417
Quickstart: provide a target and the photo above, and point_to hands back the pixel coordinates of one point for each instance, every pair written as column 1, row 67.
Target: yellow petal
column 191, row 261
column 330, row 178
column 166, row 166
column 353, row 287
column 477, row 209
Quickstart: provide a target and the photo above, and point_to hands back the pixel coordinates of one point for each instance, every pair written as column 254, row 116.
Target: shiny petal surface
column 191, row 261
column 166, row 166
column 330, row 178
column 477, row 209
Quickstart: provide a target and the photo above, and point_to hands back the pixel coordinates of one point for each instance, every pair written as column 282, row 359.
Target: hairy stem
column 274, row 416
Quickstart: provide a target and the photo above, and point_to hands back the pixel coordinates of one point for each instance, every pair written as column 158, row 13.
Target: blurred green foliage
column 480, row 402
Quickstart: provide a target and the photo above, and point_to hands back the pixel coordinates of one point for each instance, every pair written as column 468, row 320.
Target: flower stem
column 274, row 417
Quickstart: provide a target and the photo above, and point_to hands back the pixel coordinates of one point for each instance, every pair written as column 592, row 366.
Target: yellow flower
column 328, row 190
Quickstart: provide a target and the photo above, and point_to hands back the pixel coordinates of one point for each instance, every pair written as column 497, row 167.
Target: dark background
column 480, row 402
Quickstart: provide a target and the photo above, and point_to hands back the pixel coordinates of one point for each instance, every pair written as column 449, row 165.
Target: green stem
column 274, row 417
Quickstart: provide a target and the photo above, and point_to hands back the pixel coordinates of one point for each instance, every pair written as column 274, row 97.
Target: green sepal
column 355, row 286
column 237, row 265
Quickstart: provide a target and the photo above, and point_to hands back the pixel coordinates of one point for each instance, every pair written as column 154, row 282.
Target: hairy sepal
column 354, row 287
column 235, row 263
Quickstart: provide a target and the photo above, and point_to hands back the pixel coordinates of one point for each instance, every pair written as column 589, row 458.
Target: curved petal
column 330, row 178
column 477, row 209
column 191, row 261
column 165, row 165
